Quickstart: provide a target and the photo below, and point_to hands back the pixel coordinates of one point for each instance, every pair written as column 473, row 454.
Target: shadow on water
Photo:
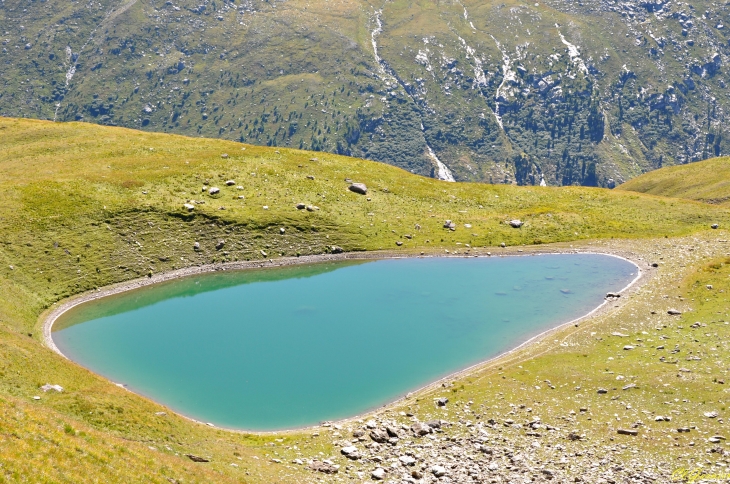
column 190, row 286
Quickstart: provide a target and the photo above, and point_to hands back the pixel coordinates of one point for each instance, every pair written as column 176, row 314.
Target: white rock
column 378, row 474
column 438, row 471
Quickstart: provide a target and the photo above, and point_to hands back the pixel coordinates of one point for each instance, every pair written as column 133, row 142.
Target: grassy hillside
column 705, row 181
column 586, row 93
column 83, row 206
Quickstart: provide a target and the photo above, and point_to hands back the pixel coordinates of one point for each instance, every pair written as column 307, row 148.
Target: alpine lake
column 287, row 347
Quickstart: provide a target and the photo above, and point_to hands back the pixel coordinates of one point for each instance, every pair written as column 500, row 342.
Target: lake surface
column 289, row 347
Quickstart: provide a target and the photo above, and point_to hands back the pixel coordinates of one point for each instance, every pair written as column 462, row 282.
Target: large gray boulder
column 359, row 188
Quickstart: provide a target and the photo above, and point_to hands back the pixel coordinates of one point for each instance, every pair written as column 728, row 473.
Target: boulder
column 379, row 436
column 359, row 188
column 715, row 226
column 350, row 452
column 324, row 467
column 438, row 471
column 220, row 244
column 407, row 460
column 196, row 246
column 214, row 191
column 449, row 225
column 441, row 402
column 434, row 424
column 300, row 206
column 421, row 429
column 189, row 207
column 48, row 387
column 196, row 458
column 516, row 223
column 282, row 231
column 230, row 183
column 633, row 432
column 392, row 431
column 674, row 312
column 336, row 249
column 224, row 155
column 613, row 295
column 378, row 474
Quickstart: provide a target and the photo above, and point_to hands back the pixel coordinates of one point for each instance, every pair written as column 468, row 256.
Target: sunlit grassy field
column 83, row 206
column 705, row 181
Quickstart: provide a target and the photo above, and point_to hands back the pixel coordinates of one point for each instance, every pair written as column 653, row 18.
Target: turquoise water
column 283, row 348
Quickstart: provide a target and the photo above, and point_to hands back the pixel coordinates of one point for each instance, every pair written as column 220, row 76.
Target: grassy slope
column 83, row 206
column 705, row 181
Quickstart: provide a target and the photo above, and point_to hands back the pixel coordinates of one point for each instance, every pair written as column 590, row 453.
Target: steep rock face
column 557, row 92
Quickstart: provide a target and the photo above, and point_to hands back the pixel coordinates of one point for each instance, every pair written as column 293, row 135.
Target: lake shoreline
column 50, row 316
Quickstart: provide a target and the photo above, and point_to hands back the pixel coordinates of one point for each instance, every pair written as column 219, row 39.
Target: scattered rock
column 220, row 244
column 196, row 458
column 224, row 155
column 628, row 347
column 449, row 225
column 282, row 231
column 712, row 414
column 312, row 208
column 674, row 312
column 300, row 206
column 214, row 190
column 438, row 471
column 359, row 188
column 601, row 391
column 189, row 207
column 683, row 430
column 516, row 223
column 310, row 177
column 434, row 424
column 196, row 246
column 336, row 249
column 613, row 295
column 621, row 335
column 230, row 183
column 398, row 243
column 633, row 432
column 441, row 402
column 715, row 226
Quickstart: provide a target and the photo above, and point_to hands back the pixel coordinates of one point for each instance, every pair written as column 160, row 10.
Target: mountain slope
column 705, row 181
column 589, row 93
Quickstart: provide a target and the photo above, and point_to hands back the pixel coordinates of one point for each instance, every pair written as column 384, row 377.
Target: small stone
column 441, row 402
column 378, row 474
column 628, row 347
column 715, row 226
column 416, row 474
column 214, row 191
column 336, row 249
column 324, row 467
column 449, row 225
column 434, row 424
column 613, row 295
column 602, row 391
column 674, row 312
column 712, row 414
column 438, row 471
column 300, row 206
column 230, row 183
column 36, row 397
column 224, row 155
column 220, row 244
column 189, row 207
column 282, row 231
column 516, row 223
column 503, row 245
column 359, row 188
column 310, row 177
column 633, row 432
column 683, row 430
column 196, row 246
column 398, row 243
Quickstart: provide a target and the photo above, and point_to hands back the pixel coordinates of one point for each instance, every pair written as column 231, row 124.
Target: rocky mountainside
column 555, row 92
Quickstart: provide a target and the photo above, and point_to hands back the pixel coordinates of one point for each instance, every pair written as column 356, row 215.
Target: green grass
column 83, row 206
column 705, row 181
